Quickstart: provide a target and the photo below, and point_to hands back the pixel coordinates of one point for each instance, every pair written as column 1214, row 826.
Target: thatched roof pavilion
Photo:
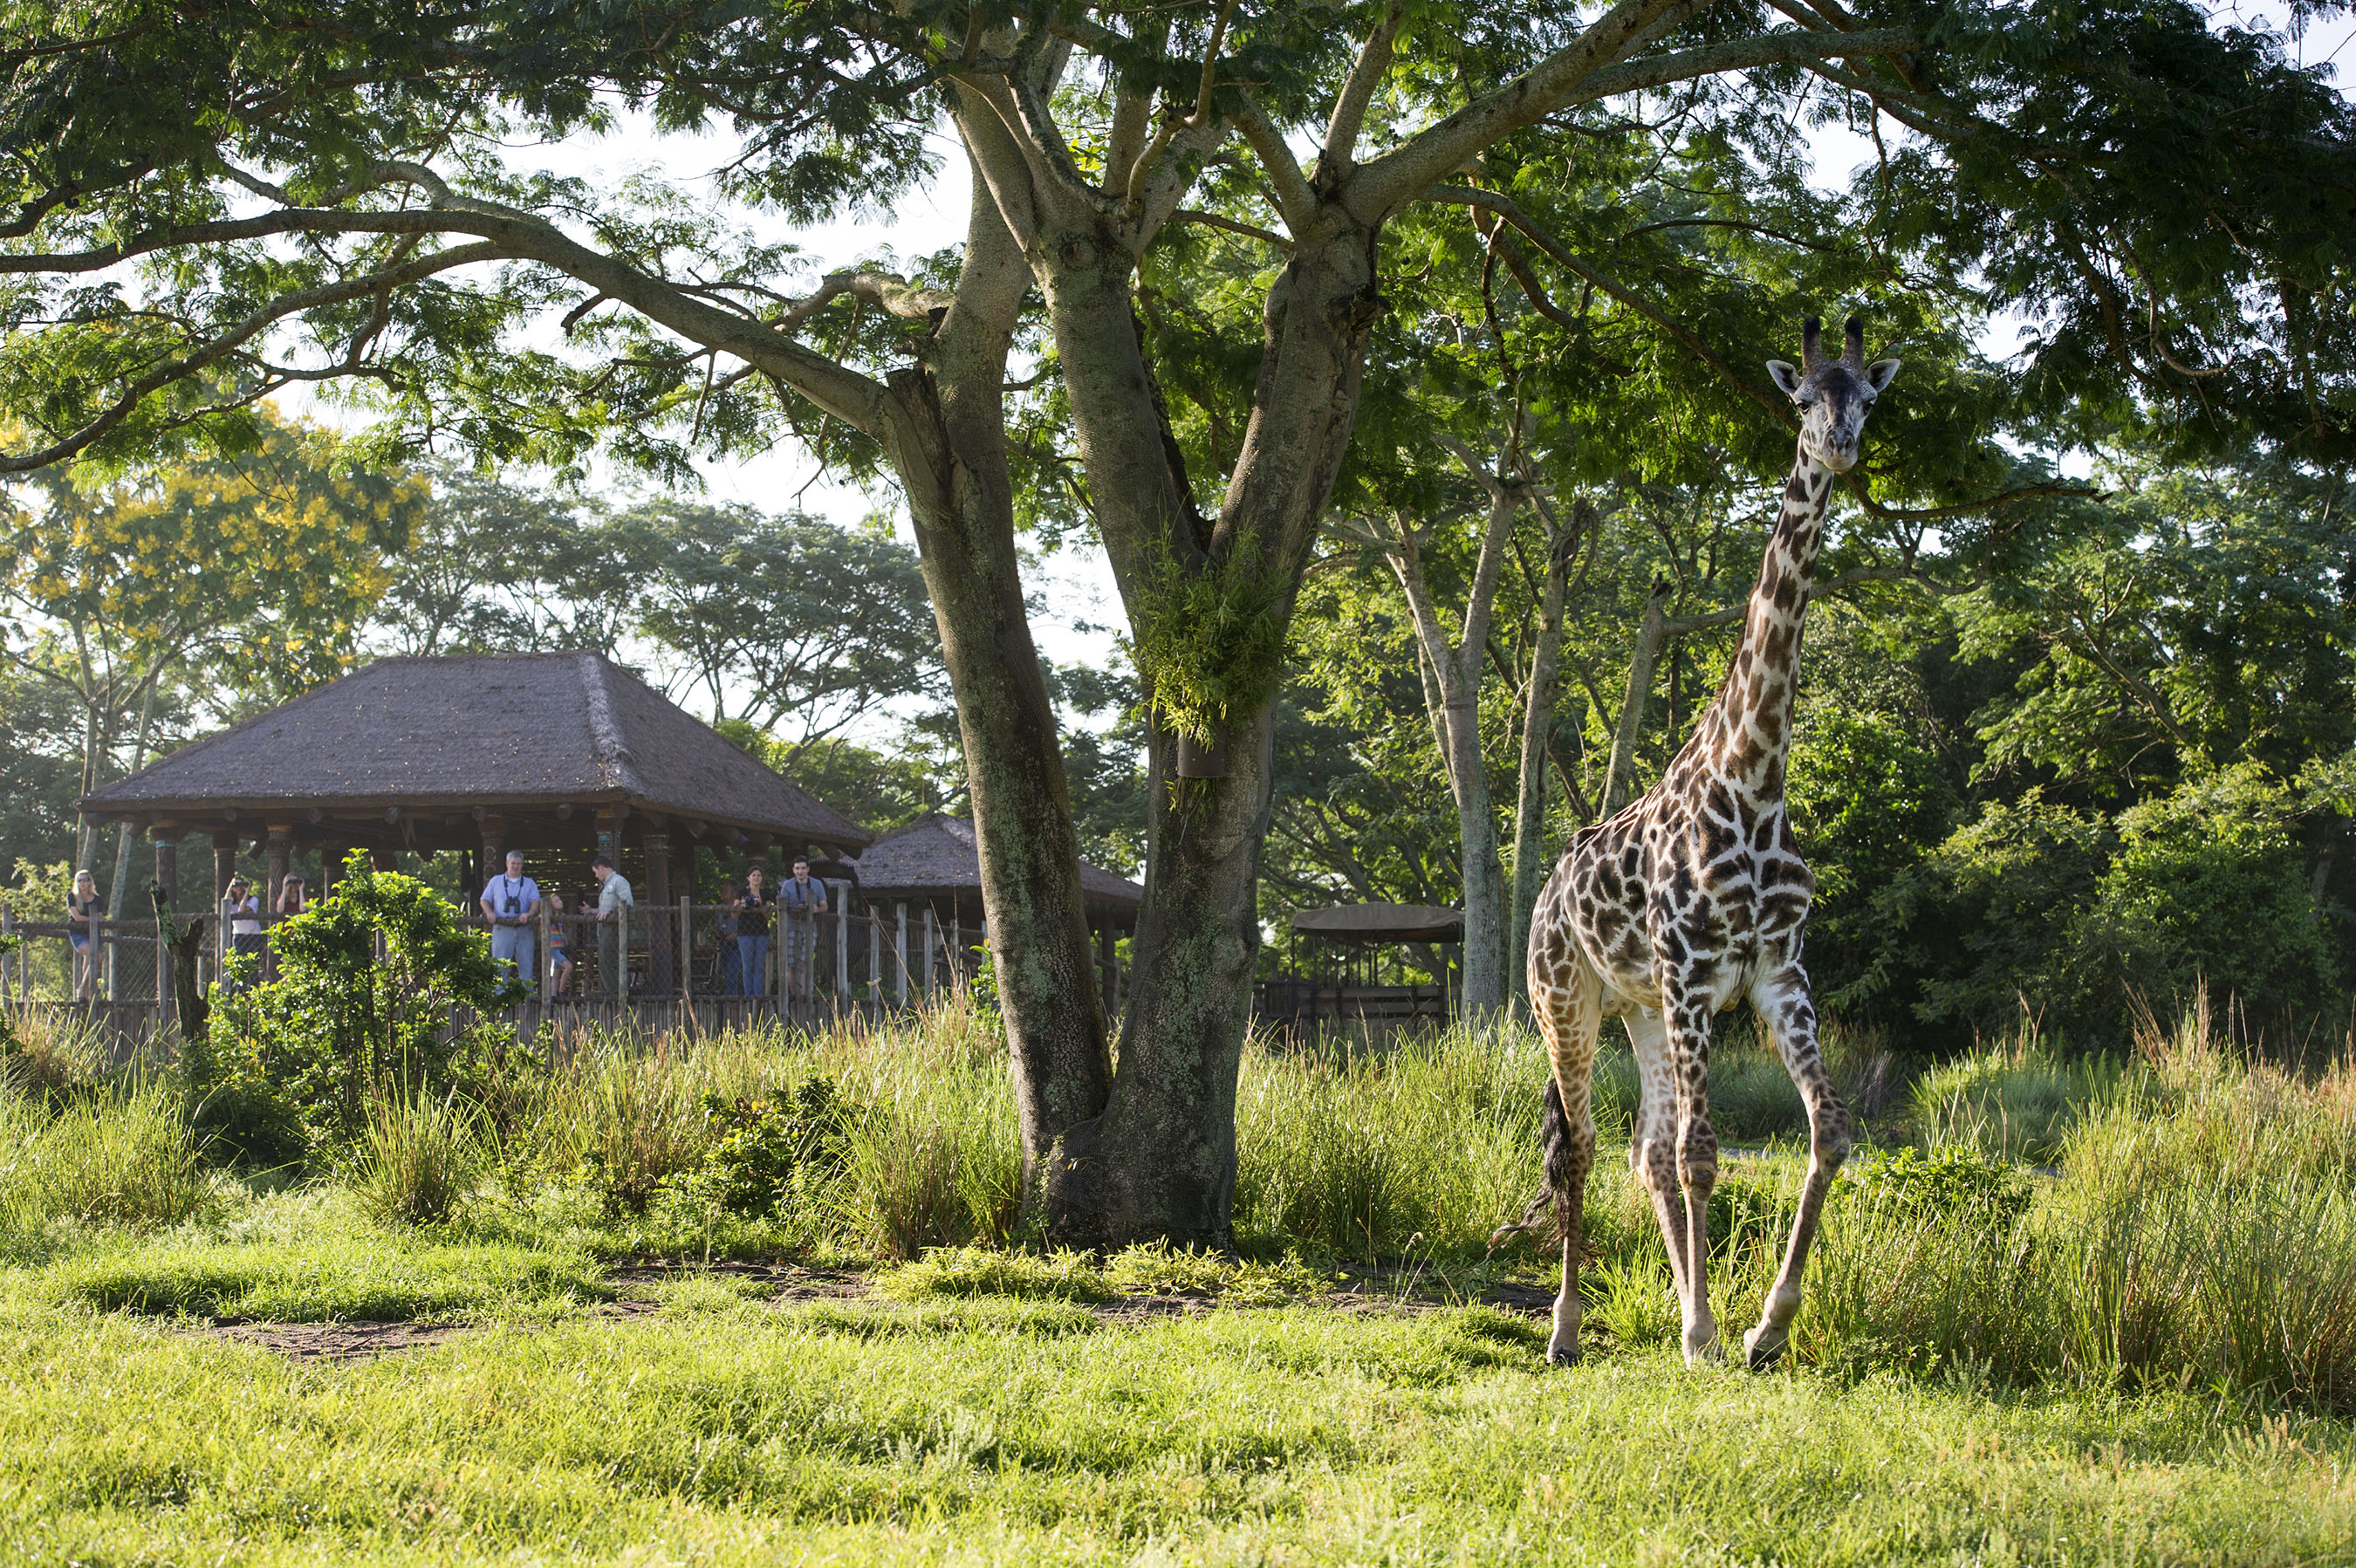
column 556, row 754
column 934, row 866
column 933, row 860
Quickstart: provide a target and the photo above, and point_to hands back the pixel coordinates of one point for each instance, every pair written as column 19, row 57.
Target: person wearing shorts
column 560, row 957
column 82, row 929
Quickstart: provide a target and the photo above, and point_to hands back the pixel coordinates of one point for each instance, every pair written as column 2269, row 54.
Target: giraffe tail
column 1551, row 1205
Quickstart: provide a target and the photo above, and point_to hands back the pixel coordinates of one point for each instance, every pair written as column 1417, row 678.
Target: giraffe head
column 1834, row 395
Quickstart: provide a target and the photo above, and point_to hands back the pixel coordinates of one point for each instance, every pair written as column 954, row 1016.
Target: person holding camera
column 511, row 903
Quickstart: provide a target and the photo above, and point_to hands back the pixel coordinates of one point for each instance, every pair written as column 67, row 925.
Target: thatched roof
column 936, row 855
column 505, row 731
column 1382, row 923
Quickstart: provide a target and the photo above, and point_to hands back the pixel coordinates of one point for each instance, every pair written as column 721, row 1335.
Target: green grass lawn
column 723, row 1429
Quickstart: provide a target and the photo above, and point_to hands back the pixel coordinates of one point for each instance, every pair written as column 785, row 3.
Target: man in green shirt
column 612, row 913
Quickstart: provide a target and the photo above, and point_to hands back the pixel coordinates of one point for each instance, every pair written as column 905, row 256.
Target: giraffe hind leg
column 1652, row 1151
column 1570, row 1017
column 1790, row 1016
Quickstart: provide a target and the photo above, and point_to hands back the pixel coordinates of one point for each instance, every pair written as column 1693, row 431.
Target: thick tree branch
column 1380, row 187
column 1789, row 46
column 1296, row 203
column 1358, row 91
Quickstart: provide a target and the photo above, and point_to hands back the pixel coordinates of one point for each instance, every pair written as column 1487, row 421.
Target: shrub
column 767, row 1151
column 340, row 1026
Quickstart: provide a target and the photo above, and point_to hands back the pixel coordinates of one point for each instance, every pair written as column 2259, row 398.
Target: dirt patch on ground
column 338, row 1342
column 1385, row 1290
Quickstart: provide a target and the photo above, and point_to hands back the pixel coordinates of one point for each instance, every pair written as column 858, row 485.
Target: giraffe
column 1694, row 897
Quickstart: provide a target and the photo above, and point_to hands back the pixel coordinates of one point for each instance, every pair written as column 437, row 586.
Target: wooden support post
column 900, row 950
column 167, row 865
column 841, row 940
column 876, row 955
column 932, row 930
column 957, row 950
column 687, row 952
column 657, row 846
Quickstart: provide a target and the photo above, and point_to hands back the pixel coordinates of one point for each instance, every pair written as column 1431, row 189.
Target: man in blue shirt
column 511, row 903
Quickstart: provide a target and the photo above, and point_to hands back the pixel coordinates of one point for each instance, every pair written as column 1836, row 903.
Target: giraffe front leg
column 1784, row 1007
column 1687, row 1019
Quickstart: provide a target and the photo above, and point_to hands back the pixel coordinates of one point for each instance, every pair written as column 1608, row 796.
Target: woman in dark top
column 753, row 935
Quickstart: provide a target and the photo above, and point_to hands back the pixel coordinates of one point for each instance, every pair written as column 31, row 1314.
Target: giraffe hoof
column 1563, row 1352
column 1764, row 1346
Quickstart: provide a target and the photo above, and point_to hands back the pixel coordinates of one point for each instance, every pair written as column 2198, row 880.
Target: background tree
column 2092, row 165
column 258, row 565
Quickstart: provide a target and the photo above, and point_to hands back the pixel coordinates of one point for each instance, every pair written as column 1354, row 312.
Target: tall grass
column 56, row 1052
column 119, row 1155
column 419, row 1159
column 2202, row 1234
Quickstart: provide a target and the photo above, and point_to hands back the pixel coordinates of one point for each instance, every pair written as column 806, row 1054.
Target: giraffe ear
column 1781, row 372
column 1880, row 373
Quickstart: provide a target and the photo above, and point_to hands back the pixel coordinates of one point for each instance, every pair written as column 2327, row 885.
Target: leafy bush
column 340, row 1026
column 1952, row 1180
column 765, row 1151
column 2074, row 916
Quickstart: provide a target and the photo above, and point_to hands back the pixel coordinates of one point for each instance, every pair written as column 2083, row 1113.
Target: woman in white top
column 243, row 912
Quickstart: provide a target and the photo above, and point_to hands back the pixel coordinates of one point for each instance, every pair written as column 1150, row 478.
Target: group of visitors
column 510, row 903
column 511, row 900
column 746, row 931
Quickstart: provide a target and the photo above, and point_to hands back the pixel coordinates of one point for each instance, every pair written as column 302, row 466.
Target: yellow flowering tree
column 253, row 567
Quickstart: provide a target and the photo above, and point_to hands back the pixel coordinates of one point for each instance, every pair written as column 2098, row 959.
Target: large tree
column 206, row 203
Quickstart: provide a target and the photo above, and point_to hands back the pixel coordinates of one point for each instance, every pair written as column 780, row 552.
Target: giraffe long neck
column 1753, row 710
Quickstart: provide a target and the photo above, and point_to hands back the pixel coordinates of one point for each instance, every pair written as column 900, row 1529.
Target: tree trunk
column 1538, row 727
column 122, row 832
column 1160, row 1160
column 948, row 443
column 1620, row 779
column 1454, row 677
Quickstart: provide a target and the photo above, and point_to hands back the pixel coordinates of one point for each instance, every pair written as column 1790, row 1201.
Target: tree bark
column 1537, row 726
column 1160, row 1160
column 1620, row 777
column 946, row 430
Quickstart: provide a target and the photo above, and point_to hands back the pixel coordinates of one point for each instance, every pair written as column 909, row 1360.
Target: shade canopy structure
column 1379, row 923
column 564, row 753
column 934, row 861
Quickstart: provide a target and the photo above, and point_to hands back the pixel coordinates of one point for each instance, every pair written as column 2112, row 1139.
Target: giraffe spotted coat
column 1695, row 899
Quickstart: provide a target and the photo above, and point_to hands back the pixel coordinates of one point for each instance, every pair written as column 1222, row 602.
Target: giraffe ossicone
column 1694, row 898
